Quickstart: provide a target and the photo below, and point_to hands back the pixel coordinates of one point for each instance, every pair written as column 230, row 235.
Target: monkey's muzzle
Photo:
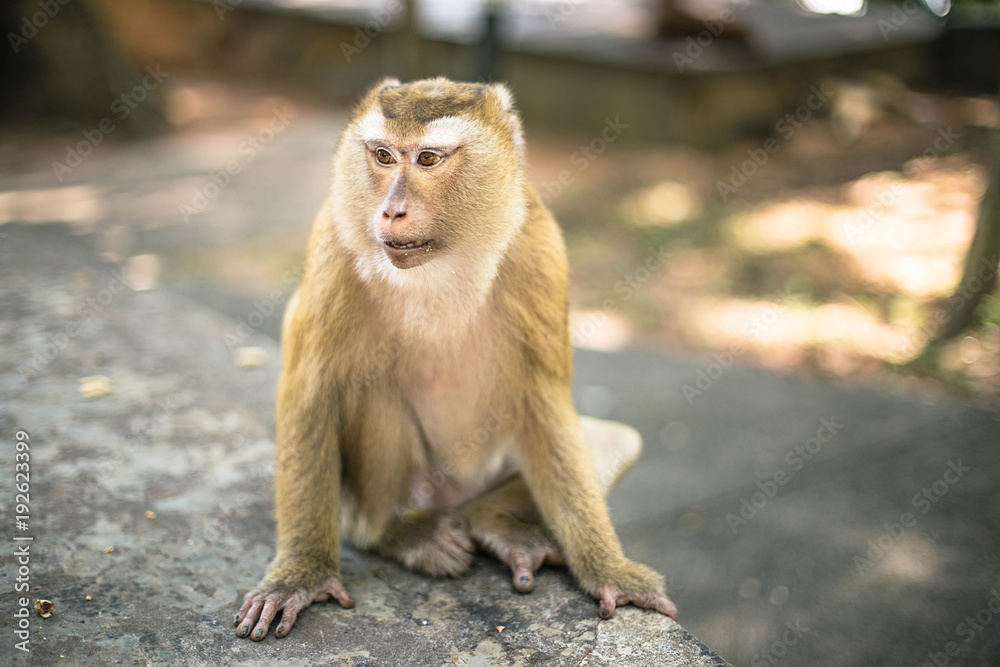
column 407, row 254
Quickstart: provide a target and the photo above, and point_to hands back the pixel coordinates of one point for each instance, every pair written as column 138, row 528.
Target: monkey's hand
column 631, row 583
column 288, row 587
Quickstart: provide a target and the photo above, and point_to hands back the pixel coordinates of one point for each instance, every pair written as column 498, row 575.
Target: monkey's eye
column 383, row 156
column 428, row 159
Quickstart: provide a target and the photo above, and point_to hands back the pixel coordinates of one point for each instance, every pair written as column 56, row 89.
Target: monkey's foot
column 524, row 547
column 435, row 542
column 633, row 583
column 262, row 604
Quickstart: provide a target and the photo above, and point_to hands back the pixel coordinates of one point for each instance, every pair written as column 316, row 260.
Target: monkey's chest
column 466, row 442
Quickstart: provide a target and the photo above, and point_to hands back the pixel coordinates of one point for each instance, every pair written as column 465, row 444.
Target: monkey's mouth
column 407, row 254
column 411, row 245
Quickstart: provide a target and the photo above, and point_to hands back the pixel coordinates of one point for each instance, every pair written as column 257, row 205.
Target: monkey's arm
column 307, row 493
column 557, row 464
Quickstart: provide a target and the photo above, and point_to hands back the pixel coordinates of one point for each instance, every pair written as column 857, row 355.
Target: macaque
column 424, row 407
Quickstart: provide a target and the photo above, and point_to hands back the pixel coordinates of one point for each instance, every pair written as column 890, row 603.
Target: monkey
column 424, row 407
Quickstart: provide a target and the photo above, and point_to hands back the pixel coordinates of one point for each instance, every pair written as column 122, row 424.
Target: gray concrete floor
column 803, row 552
column 149, row 508
column 799, row 583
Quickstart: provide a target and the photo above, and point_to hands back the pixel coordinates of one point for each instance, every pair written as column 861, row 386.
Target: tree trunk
column 980, row 275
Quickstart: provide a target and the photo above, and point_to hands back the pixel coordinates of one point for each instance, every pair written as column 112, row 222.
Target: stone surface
column 186, row 435
column 761, row 526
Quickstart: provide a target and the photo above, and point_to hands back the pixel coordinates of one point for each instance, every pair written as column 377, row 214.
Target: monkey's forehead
column 421, row 102
column 434, row 112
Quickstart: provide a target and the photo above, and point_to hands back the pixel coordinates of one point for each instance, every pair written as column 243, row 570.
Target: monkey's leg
column 436, row 542
column 559, row 470
column 306, row 568
column 506, row 522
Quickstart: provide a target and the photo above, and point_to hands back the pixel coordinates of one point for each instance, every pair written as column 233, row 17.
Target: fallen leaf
column 44, row 607
column 250, row 357
column 95, row 386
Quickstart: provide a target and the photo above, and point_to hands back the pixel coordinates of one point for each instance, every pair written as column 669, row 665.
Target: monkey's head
column 430, row 174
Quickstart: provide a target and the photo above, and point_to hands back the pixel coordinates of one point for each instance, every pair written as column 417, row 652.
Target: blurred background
column 809, row 187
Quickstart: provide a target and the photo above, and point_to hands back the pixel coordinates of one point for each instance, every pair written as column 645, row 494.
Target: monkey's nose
column 394, row 213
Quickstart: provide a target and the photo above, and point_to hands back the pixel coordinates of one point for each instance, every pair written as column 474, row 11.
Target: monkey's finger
column 657, row 601
column 288, row 616
column 523, row 566
column 333, row 588
column 666, row 606
column 463, row 541
column 243, row 608
column 607, row 609
column 267, row 613
column 250, row 618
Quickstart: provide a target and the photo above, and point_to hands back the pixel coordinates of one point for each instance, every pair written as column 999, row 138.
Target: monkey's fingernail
column 524, row 579
column 280, row 629
column 260, row 633
column 605, row 612
column 244, row 631
column 236, row 619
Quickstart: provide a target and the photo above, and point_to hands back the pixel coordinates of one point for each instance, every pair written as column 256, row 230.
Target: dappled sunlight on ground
column 835, row 274
column 662, row 204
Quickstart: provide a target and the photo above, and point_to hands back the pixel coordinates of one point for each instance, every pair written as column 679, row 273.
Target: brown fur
column 407, row 394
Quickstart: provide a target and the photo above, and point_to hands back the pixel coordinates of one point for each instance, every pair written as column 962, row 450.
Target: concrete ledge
column 187, row 436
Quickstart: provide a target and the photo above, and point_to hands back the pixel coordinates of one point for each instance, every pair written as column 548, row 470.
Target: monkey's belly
column 461, row 463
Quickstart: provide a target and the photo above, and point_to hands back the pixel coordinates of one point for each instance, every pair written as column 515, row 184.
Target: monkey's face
column 431, row 170
column 410, row 176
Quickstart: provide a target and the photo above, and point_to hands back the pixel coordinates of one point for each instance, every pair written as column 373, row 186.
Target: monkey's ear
column 387, row 82
column 370, row 98
column 506, row 101
column 504, row 96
